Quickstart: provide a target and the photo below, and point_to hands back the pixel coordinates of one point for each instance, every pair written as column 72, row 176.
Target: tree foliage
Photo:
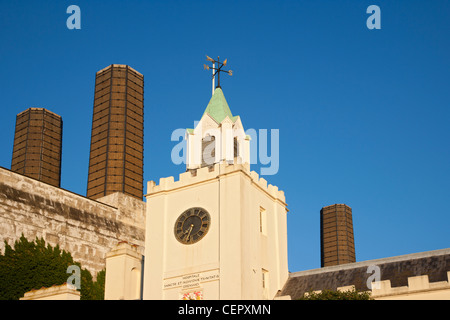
column 337, row 295
column 33, row 265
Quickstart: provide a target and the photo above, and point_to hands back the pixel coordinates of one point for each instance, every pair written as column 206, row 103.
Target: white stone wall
column 229, row 261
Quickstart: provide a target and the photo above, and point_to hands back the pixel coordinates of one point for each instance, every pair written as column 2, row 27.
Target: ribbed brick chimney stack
column 336, row 235
column 37, row 145
column 117, row 139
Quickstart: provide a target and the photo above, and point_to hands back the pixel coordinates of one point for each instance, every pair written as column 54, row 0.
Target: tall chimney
column 38, row 145
column 116, row 161
column 336, row 235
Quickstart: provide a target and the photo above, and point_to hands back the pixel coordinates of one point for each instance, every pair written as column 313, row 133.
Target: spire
column 218, row 107
column 215, row 139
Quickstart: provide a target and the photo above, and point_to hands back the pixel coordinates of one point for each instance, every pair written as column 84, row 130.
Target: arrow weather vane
column 217, row 71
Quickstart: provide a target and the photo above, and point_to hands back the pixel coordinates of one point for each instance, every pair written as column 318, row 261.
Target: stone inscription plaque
column 191, row 280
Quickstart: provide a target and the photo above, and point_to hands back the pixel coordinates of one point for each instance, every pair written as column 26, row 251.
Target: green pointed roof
column 218, row 107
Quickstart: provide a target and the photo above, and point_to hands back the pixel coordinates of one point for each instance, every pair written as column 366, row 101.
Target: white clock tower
column 219, row 230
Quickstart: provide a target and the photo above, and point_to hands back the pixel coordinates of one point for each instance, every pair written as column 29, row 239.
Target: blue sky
column 363, row 114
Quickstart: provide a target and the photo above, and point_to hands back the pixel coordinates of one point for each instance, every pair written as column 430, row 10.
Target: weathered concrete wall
column 86, row 228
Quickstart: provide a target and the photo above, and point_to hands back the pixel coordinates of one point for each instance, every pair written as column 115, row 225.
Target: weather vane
column 217, row 71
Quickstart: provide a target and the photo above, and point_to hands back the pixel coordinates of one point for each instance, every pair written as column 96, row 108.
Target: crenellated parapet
column 423, row 275
column 419, row 287
column 214, row 172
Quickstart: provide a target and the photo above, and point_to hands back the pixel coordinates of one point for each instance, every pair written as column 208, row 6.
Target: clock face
column 192, row 225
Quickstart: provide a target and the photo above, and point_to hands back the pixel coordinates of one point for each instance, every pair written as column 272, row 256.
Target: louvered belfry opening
column 208, row 151
column 38, row 145
column 336, row 235
column 116, row 161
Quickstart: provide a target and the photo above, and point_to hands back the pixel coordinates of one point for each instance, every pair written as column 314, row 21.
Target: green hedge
column 337, row 295
column 33, row 265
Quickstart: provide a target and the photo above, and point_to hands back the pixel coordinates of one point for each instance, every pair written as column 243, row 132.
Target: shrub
column 336, row 295
column 33, row 265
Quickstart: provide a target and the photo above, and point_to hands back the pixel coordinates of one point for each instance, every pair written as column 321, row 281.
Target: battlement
column 419, row 287
column 216, row 171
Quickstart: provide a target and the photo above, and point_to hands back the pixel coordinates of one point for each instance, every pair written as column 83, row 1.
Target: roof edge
column 367, row 263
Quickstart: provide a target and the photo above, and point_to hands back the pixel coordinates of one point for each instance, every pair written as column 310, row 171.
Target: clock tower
column 218, row 231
